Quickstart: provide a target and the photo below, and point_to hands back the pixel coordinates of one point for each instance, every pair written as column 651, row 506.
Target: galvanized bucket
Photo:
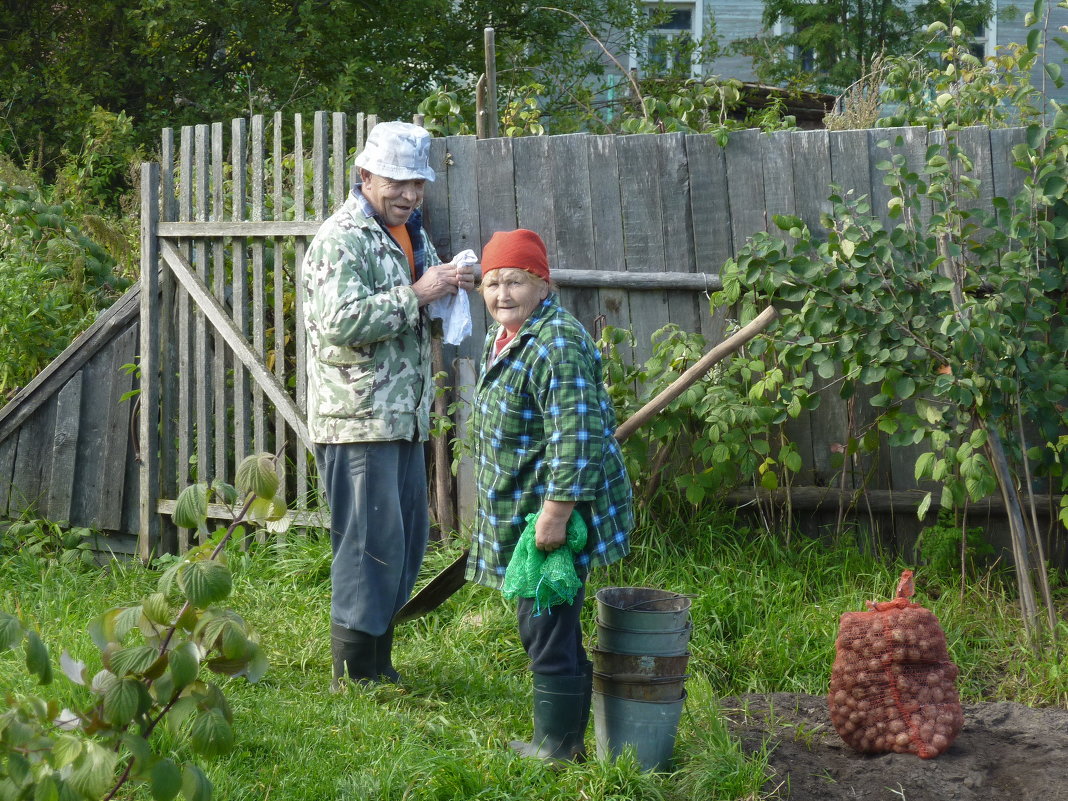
column 642, row 609
column 640, row 688
column 611, row 663
column 649, row 727
column 671, row 642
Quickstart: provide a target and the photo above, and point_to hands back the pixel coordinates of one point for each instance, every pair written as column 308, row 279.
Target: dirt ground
column 1005, row 752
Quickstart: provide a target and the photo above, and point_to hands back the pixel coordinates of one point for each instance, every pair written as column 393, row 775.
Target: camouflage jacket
column 368, row 340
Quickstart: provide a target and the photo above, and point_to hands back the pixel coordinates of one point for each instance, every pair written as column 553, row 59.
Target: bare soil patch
column 1005, row 751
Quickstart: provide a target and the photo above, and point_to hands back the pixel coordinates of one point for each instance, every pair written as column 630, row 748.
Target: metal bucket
column 642, row 609
column 671, row 642
column 640, row 688
column 611, row 663
column 649, row 727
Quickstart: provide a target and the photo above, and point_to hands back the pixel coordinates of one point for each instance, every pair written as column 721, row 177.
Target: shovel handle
column 696, row 371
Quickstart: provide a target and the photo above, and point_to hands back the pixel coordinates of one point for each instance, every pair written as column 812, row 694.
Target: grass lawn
column 765, row 618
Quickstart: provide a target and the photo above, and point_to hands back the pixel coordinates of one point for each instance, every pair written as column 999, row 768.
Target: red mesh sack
column 893, row 686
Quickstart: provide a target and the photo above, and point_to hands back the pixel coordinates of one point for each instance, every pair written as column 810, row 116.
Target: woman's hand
column 550, row 530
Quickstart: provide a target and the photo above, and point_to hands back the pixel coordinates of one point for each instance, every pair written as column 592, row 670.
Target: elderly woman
column 543, row 427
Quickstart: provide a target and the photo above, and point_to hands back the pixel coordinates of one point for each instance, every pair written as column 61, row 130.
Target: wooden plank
column 258, row 285
column 710, row 211
column 573, row 221
column 974, row 141
column 8, row 447
column 850, row 168
column 249, row 228
column 299, row 246
column 466, row 492
column 278, row 274
column 1007, row 177
column 913, row 146
column 436, row 202
column 87, row 498
column 608, row 246
column 119, row 414
column 296, row 517
column 745, row 182
column 242, row 392
column 65, row 449
column 826, row 425
column 242, row 349
column 461, row 159
column 201, row 345
column 534, row 190
column 338, row 160
column 779, row 160
column 679, row 248
column 496, row 210
column 161, row 535
column 220, row 404
column 851, row 173
column 320, row 167
column 185, row 337
column 643, row 233
column 33, row 463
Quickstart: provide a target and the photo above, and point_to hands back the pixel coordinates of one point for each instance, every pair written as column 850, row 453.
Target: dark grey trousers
column 553, row 637
column 379, row 527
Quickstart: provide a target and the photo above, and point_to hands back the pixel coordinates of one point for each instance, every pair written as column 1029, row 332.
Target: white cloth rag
column 454, row 311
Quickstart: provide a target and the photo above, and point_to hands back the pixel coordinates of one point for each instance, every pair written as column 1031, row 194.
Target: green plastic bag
column 549, row 578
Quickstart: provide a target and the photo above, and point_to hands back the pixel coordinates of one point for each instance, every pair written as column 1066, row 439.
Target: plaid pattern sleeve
column 544, row 428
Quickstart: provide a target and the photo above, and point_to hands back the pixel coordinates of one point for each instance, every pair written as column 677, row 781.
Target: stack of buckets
column 639, row 672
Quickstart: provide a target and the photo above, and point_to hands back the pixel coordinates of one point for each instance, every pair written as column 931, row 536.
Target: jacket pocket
column 347, row 388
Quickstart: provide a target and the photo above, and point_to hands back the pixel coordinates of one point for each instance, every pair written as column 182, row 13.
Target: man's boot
column 354, row 655
column 384, row 658
column 561, row 712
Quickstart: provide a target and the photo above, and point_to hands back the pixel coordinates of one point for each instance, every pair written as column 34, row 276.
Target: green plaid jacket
column 543, row 427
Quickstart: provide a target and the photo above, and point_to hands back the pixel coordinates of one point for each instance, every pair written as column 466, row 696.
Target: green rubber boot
column 384, row 658
column 561, row 713
column 354, row 654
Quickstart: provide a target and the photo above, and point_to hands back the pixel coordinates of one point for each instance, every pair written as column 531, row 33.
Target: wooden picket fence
column 637, row 228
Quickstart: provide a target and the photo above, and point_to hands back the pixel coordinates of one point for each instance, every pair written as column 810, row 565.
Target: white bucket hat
column 397, row 150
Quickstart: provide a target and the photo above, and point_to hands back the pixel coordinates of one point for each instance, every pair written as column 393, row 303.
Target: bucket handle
column 657, row 600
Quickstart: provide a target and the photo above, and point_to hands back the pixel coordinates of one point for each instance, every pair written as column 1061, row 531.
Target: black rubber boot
column 354, row 655
column 384, row 658
column 587, row 698
column 561, row 712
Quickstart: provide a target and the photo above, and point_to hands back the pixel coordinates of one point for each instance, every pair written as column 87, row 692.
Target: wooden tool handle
column 691, row 376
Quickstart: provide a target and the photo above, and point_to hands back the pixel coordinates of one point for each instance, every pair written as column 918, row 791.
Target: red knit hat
column 521, row 249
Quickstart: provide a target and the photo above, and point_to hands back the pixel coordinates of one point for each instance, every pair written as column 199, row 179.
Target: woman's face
column 511, row 296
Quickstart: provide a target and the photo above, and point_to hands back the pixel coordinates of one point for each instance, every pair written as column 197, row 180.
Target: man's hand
column 550, row 530
column 441, row 280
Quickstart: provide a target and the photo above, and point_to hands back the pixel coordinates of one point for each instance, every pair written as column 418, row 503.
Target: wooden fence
column 637, row 228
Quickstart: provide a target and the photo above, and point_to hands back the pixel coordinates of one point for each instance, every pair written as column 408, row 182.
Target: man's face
column 393, row 200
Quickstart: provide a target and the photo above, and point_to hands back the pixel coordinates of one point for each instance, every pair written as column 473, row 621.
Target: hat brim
column 395, row 173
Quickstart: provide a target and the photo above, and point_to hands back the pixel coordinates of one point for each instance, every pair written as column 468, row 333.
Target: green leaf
column 210, row 734
column 205, row 583
column 257, row 664
column 925, row 504
column 904, row 387
column 37, row 658
column 923, row 465
column 191, row 508
column 94, row 772
column 10, row 631
column 137, row 659
column 184, row 664
column 166, row 781
column 157, row 609
column 195, row 785
column 256, row 475
column 122, row 702
column 65, row 749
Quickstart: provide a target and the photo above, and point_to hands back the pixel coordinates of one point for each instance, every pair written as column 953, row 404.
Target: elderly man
column 369, row 275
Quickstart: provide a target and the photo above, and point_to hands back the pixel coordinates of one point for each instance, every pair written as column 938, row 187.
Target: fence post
column 489, row 106
column 148, row 518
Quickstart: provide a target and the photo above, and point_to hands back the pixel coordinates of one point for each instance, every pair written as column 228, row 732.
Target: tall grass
column 765, row 618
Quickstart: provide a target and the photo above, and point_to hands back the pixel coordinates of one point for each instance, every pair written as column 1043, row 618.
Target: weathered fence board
column 637, row 230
